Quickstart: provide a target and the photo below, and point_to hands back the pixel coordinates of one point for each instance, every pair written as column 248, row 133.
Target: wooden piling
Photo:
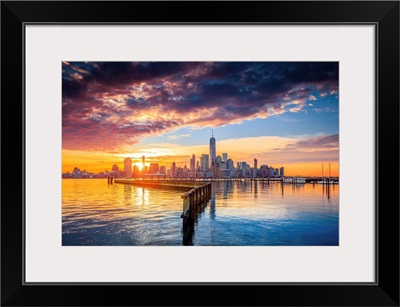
column 194, row 202
column 200, row 197
column 186, row 208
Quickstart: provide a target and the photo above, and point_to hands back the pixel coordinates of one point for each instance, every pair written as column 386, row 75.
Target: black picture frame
column 383, row 14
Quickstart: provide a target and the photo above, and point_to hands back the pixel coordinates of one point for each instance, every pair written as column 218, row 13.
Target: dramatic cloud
column 175, row 137
column 109, row 105
column 314, row 149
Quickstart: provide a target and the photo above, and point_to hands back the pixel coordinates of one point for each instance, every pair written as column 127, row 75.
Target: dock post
column 186, row 207
column 190, row 205
column 199, row 195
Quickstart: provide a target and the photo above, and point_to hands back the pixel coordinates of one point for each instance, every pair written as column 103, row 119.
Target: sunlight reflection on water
column 239, row 213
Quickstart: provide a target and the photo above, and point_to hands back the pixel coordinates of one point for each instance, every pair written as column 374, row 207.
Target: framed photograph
column 239, row 147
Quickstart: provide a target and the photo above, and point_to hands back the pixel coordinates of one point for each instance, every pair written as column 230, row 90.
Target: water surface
column 240, row 213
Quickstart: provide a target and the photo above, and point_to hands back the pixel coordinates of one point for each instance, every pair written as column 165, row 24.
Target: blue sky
column 317, row 117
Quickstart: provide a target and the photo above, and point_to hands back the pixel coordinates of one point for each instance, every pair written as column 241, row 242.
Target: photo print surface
column 200, row 153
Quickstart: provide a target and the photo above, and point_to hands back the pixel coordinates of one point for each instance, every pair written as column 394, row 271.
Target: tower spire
column 212, row 132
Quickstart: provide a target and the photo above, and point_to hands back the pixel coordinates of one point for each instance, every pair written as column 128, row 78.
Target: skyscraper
column 163, row 170
column 271, row 171
column 154, row 168
column 225, row 156
column 213, row 151
column 136, row 171
column 173, row 170
column 143, row 161
column 204, row 162
column 193, row 162
column 231, row 167
column 128, row 167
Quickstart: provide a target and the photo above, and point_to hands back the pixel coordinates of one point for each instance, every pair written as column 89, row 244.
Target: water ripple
column 239, row 213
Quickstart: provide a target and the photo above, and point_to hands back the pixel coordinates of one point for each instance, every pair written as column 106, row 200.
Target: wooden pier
column 194, row 200
column 162, row 184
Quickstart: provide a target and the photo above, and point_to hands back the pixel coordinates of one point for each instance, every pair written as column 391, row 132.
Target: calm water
column 239, row 213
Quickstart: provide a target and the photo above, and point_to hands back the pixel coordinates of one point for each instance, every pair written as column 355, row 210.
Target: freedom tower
column 213, row 151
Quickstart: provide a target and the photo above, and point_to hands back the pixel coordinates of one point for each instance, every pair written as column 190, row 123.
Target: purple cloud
column 107, row 105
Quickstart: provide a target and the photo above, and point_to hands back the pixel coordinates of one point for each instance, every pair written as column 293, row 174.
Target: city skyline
column 206, row 163
column 283, row 114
